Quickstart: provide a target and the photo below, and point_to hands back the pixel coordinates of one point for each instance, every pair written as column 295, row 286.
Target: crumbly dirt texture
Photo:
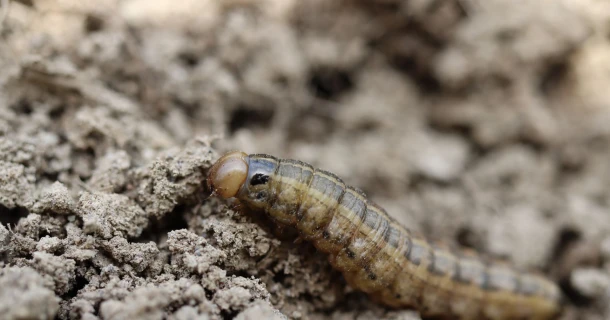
column 479, row 123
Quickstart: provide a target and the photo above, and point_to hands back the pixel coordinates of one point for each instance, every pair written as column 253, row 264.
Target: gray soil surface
column 480, row 123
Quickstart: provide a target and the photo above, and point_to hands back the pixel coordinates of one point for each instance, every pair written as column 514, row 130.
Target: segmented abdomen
column 377, row 255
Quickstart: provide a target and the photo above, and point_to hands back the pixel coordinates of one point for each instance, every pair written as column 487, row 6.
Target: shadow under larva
column 377, row 255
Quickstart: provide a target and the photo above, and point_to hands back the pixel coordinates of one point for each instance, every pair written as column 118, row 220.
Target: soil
column 479, row 123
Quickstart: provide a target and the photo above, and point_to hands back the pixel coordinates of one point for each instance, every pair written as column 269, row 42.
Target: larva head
column 247, row 178
column 228, row 174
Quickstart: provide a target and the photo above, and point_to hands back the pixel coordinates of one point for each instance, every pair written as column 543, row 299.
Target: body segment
column 376, row 254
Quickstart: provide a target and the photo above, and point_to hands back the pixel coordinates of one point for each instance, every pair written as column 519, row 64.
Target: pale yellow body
column 377, row 255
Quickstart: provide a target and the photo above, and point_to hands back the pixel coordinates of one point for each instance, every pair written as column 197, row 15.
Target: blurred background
column 483, row 123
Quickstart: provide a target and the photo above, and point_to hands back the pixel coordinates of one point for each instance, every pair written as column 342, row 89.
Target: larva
column 376, row 255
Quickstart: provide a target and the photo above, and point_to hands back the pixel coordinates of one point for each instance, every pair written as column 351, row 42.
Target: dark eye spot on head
column 261, row 195
column 350, row 254
column 325, row 234
column 259, row 178
column 372, row 276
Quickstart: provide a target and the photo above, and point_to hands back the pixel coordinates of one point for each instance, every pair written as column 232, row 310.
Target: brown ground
column 484, row 123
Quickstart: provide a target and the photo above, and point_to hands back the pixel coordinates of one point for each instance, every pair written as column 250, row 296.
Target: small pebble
column 591, row 282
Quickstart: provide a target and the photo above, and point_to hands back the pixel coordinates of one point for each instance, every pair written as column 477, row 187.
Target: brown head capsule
column 228, row 174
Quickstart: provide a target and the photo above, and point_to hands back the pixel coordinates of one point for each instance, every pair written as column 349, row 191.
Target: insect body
column 375, row 254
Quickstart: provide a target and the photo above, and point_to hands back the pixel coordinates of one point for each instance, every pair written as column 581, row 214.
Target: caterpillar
column 394, row 266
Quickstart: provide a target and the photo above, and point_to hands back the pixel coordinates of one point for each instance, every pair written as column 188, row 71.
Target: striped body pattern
column 395, row 266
